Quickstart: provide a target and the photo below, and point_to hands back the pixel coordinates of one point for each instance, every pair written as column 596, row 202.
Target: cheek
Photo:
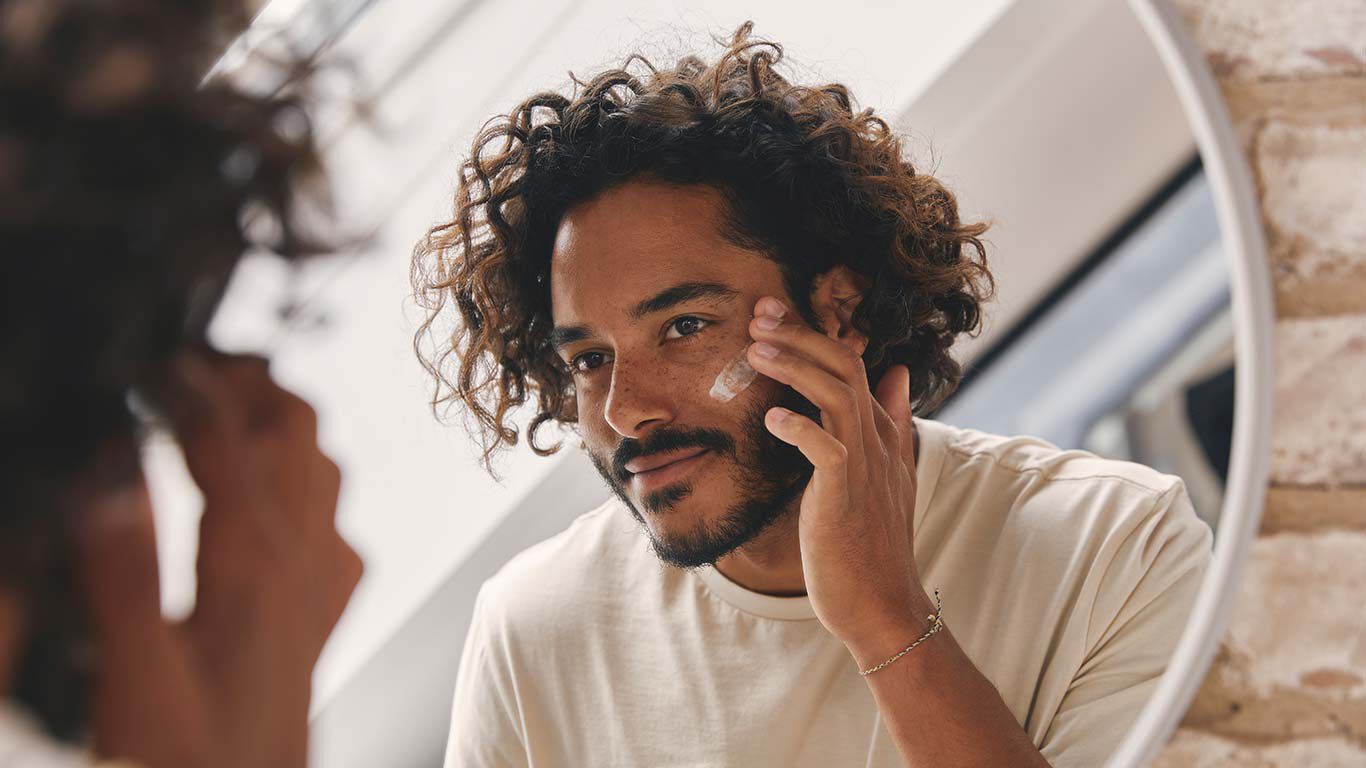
column 753, row 402
column 711, row 363
column 684, row 375
column 589, row 404
column 738, row 414
column 599, row 440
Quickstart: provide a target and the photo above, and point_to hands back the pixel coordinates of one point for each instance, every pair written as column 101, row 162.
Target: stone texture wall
column 1288, row 687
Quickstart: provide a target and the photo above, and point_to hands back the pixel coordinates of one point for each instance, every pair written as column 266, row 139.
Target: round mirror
column 1129, row 338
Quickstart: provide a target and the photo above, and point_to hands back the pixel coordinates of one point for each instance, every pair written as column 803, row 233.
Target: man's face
column 650, row 302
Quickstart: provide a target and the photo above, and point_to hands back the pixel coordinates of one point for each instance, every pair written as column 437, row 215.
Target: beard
column 768, row 475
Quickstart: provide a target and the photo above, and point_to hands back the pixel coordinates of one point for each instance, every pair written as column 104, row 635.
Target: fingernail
column 767, row 323
column 772, row 307
column 765, row 350
column 779, row 414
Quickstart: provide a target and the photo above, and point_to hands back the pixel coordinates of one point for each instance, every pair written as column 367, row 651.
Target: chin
column 668, row 506
column 694, row 532
column 675, row 512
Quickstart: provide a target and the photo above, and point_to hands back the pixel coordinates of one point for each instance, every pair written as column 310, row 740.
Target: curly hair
column 127, row 192
column 807, row 180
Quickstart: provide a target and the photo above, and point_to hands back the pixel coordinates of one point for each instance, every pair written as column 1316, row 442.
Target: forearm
column 941, row 711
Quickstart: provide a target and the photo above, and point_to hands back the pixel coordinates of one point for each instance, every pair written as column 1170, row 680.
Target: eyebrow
column 561, row 336
column 670, row 297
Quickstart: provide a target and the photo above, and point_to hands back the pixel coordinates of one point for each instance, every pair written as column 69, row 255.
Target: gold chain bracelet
column 936, row 624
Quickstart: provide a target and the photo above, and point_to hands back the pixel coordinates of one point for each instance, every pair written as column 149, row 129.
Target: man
column 764, row 589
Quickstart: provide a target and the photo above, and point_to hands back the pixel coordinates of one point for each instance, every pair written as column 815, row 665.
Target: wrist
column 892, row 631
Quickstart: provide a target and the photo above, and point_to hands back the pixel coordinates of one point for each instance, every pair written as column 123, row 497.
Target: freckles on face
column 671, row 384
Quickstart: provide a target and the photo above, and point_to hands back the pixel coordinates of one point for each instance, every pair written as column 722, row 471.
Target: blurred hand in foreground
column 231, row 685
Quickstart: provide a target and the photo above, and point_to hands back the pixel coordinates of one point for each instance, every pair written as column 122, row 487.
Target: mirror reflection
column 817, row 390
column 644, row 245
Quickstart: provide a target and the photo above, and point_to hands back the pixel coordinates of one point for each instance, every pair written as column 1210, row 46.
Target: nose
column 639, row 399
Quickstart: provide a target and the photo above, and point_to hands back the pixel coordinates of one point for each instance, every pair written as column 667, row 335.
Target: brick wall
column 1288, row 687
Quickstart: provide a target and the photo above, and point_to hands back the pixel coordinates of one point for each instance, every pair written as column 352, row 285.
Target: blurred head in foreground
column 127, row 195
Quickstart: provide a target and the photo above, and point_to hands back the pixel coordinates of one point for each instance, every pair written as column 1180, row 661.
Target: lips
column 660, row 460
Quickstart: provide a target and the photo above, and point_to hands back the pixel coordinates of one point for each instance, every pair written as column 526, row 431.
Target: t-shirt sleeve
column 485, row 725
column 1143, row 600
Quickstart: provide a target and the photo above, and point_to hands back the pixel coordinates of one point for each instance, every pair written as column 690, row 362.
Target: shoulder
column 1082, row 543
column 980, row 453
column 1068, row 502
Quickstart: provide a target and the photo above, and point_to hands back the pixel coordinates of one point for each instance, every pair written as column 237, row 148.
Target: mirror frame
column 1244, row 247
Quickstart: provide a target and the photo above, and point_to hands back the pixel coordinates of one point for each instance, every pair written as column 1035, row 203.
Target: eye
column 685, row 326
column 587, row 361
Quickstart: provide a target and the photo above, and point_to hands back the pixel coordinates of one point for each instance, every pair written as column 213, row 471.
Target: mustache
column 668, row 439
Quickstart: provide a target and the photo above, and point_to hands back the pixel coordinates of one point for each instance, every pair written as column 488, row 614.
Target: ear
column 834, row 296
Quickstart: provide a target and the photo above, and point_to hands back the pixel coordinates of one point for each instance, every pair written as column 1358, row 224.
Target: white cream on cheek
column 734, row 378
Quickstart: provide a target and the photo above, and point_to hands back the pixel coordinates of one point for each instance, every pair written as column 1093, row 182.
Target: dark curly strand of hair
column 123, row 189
column 808, row 181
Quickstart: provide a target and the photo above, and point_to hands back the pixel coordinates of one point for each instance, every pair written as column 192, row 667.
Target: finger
column 830, row 481
column 790, row 332
column 221, row 406
column 277, row 499
column 238, row 417
column 838, row 402
column 115, row 562
column 329, row 487
column 201, row 406
column 210, row 418
column 839, row 360
column 269, row 408
column 284, row 428
column 237, row 391
column 347, row 572
column 283, row 506
column 825, row 453
column 116, row 538
column 893, row 400
column 894, row 394
column 232, row 458
column 143, row 673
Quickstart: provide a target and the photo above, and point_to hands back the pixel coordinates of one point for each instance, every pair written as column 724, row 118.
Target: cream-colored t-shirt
column 1066, row 578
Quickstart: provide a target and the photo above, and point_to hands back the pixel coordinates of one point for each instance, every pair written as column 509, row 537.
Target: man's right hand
column 231, row 685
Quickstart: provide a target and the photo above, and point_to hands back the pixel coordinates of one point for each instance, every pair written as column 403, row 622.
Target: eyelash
column 676, row 321
column 574, row 364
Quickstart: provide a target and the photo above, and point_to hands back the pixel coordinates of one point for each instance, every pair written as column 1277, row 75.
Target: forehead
column 639, row 238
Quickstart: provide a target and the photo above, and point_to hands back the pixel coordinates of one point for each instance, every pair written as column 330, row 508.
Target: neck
column 771, row 564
